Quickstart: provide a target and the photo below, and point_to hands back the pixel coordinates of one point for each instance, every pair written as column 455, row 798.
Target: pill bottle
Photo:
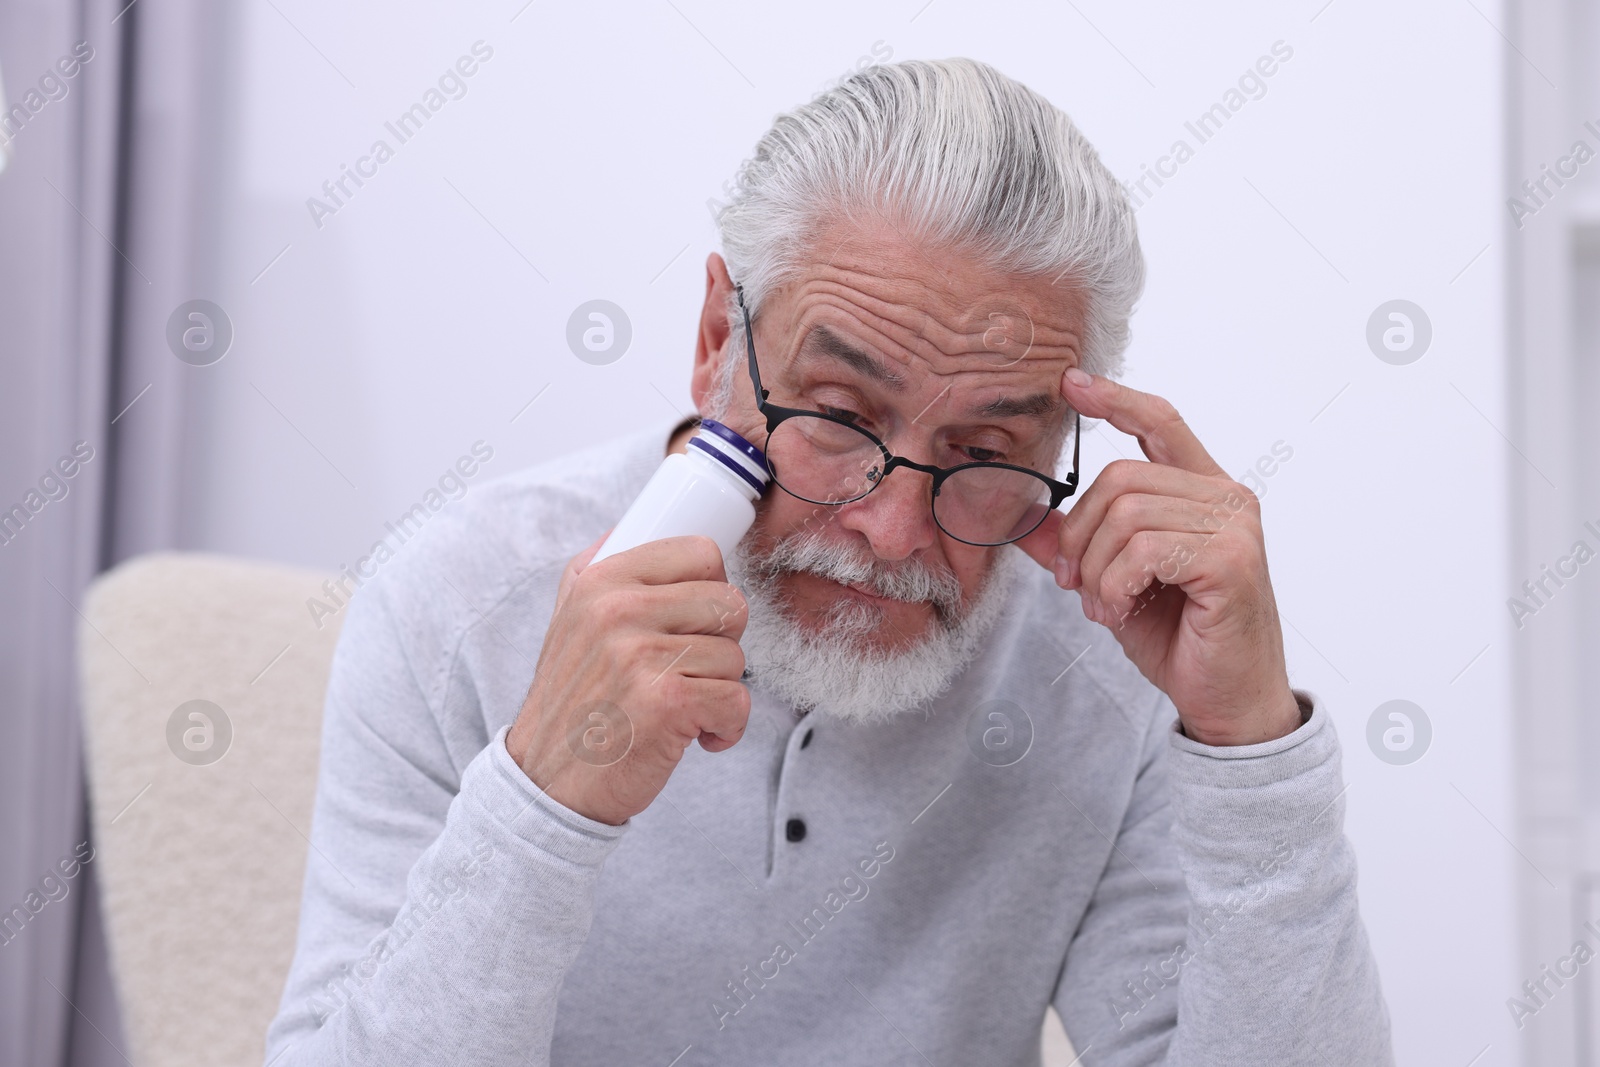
column 709, row 489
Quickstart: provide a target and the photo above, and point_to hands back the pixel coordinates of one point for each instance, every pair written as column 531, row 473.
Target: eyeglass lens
column 826, row 462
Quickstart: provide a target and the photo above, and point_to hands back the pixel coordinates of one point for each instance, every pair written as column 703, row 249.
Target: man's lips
column 870, row 592
column 865, row 590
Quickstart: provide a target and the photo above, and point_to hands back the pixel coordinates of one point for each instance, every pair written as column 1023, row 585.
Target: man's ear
column 712, row 337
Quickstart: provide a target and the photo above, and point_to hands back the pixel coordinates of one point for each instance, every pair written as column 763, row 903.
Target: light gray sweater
column 1041, row 835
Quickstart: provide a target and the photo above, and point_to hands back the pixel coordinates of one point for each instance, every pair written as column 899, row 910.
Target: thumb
column 575, row 567
column 1042, row 545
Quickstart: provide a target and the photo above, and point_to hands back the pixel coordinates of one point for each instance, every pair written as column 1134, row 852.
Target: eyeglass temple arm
column 1070, row 482
column 1077, row 436
column 750, row 345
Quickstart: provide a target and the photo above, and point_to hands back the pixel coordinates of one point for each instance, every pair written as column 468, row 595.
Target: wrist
column 517, row 744
column 1282, row 717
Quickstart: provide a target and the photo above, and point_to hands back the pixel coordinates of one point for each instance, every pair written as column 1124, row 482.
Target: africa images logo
column 452, row 85
column 851, row 888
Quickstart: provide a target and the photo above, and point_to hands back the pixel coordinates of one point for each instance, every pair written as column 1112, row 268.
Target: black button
column 806, row 740
column 795, row 830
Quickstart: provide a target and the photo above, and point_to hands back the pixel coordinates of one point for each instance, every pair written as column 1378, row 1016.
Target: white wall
column 407, row 327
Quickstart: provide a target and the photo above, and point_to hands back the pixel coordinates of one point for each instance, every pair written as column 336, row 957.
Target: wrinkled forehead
column 931, row 327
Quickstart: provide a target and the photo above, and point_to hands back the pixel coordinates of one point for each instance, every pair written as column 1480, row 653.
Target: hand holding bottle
column 641, row 659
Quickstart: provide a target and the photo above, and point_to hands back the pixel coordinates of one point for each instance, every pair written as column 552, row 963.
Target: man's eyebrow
column 1040, row 406
column 824, row 340
column 1037, row 406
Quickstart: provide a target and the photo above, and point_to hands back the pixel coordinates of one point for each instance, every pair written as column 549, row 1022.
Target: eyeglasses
column 822, row 459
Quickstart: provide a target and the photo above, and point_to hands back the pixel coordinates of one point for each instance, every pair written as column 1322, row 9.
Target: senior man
column 937, row 787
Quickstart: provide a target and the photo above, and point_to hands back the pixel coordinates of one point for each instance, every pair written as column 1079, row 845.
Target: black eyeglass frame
column 776, row 415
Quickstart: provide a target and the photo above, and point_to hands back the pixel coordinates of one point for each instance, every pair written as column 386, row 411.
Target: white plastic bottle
column 710, row 489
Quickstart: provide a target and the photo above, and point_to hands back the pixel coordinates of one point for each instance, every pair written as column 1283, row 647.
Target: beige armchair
column 201, row 810
column 201, row 863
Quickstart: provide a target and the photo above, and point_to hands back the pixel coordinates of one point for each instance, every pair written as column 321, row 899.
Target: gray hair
column 959, row 155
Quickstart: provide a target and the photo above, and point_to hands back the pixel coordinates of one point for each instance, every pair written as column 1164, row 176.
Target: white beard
column 832, row 669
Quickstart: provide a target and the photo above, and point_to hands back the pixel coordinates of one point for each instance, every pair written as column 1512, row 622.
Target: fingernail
column 1088, row 606
column 1073, row 578
column 1063, row 571
column 1077, row 377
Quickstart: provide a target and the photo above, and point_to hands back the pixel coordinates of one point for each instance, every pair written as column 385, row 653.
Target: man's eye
column 975, row 454
column 843, row 415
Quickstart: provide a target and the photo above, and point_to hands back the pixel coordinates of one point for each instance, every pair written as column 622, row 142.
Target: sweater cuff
column 1311, row 719
column 1287, row 787
column 508, row 796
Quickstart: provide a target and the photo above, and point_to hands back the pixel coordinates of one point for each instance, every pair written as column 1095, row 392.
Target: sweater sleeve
column 439, row 914
column 1225, row 928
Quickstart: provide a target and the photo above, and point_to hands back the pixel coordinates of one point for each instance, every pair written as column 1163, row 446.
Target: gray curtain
column 111, row 117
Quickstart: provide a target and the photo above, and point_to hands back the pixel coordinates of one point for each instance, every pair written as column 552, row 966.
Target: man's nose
column 896, row 518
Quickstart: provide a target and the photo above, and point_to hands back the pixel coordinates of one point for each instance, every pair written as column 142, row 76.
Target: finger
column 1161, row 431
column 1125, row 476
column 672, row 559
column 697, row 656
column 696, row 608
column 1132, row 513
column 711, row 706
column 1131, row 581
column 713, row 743
column 1152, row 556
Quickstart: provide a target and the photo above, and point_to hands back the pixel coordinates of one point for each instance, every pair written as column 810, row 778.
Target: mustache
column 912, row 580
